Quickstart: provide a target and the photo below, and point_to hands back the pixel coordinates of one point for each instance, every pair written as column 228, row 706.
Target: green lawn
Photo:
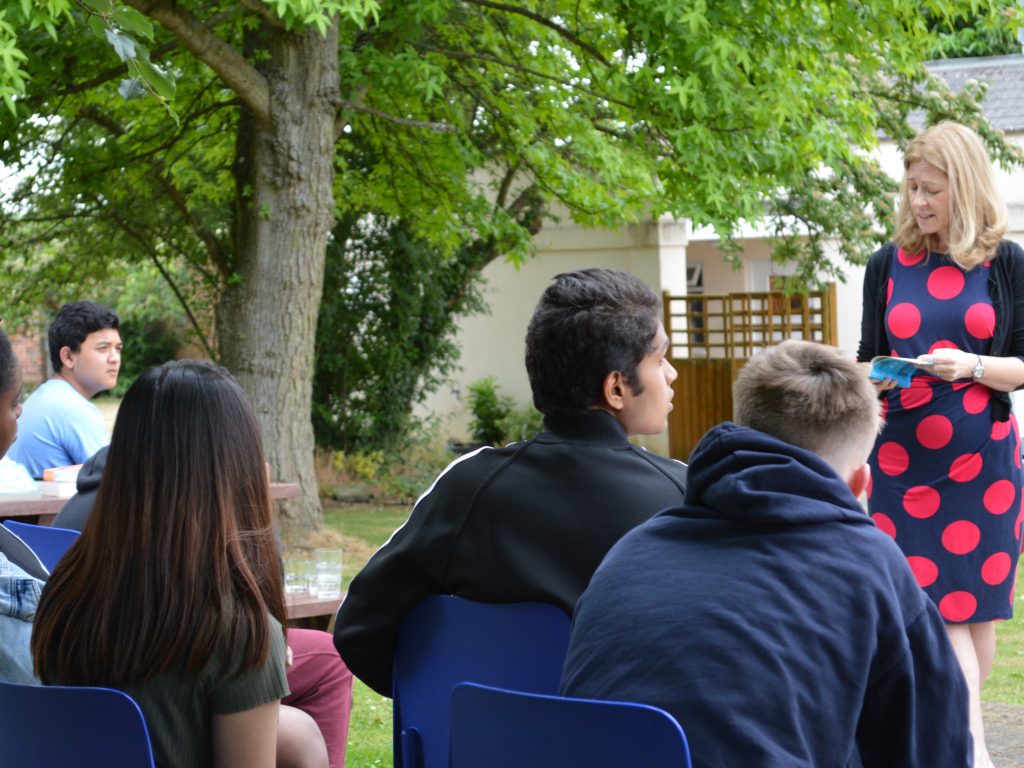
column 363, row 529
column 1006, row 683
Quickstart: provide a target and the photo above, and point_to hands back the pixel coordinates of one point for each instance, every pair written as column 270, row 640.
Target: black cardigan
column 1005, row 286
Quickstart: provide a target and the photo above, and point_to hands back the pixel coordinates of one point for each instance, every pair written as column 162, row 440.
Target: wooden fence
column 713, row 335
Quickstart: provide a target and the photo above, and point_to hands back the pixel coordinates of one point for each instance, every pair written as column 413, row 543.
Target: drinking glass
column 296, row 576
column 328, row 573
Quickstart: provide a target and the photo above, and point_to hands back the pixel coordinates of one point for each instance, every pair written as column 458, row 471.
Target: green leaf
column 134, row 22
column 100, row 6
column 131, row 88
column 98, row 26
column 124, row 45
column 157, row 79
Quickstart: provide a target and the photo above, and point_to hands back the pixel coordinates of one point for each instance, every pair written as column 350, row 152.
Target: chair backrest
column 510, row 729
column 446, row 640
column 43, row 726
column 47, row 542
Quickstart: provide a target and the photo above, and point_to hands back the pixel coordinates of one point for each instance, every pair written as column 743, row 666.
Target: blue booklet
column 899, row 369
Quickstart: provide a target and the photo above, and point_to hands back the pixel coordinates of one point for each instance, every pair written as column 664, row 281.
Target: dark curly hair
column 588, row 324
column 8, row 363
column 74, row 322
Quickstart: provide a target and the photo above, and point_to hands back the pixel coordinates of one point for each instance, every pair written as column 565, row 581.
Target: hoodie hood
column 741, row 474
column 91, row 473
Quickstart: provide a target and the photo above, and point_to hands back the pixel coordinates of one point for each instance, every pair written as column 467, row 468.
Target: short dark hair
column 588, row 324
column 8, row 363
column 74, row 322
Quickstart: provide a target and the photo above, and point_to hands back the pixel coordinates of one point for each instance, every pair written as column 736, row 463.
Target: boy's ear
column 858, row 480
column 614, row 391
column 66, row 359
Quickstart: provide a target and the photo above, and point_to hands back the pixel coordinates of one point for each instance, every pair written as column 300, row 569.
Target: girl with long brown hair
column 173, row 591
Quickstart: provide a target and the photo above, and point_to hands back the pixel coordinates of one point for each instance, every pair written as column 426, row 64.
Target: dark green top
column 179, row 710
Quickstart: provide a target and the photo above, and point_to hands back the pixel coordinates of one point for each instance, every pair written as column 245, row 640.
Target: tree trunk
column 268, row 313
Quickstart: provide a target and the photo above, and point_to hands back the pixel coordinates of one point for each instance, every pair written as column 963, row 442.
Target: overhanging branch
column 406, row 121
column 236, row 72
column 568, row 34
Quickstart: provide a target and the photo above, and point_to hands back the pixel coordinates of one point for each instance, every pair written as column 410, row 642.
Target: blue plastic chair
column 511, row 729
column 47, row 542
column 446, row 640
column 46, row 726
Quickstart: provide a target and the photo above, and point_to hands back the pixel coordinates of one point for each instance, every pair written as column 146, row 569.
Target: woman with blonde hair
column 173, row 591
column 946, row 469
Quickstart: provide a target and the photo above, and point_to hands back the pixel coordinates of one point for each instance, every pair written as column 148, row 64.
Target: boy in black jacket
column 531, row 521
column 768, row 614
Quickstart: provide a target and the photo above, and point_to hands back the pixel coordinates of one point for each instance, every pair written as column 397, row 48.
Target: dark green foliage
column 496, row 420
column 148, row 340
column 489, row 410
column 385, row 337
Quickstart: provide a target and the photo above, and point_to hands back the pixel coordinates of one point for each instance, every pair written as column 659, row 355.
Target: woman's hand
column 881, row 385
column 950, row 364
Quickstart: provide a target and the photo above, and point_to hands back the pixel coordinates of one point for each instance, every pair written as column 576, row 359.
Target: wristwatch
column 979, row 369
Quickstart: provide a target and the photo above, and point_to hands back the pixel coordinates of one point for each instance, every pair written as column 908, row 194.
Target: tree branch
column 406, row 121
column 572, row 37
column 151, row 252
column 263, row 11
column 236, row 72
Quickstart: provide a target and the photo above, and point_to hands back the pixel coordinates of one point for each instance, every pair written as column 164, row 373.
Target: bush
column 489, row 410
column 496, row 420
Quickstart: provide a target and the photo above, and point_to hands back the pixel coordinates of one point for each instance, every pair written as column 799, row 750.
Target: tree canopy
column 223, row 143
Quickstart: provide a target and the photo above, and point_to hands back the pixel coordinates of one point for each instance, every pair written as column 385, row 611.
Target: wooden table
column 310, row 612
column 34, row 507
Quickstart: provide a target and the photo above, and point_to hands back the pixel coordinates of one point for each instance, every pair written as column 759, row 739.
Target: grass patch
column 369, row 733
column 363, row 529
column 1006, row 681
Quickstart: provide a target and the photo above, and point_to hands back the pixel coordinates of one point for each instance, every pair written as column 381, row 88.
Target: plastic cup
column 328, row 573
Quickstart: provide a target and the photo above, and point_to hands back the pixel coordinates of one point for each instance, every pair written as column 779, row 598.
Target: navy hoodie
column 772, row 618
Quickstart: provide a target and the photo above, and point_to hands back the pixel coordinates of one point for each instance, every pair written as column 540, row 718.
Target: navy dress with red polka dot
column 946, row 478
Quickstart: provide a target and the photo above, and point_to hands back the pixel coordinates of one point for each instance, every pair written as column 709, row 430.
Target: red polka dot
column 888, row 292
column 921, row 501
column 884, row 523
column 871, row 485
column 996, row 568
column 958, row 606
column 965, row 468
column 884, row 411
column 917, row 394
column 945, row 282
column 942, row 344
column 961, row 537
column 976, row 398
column 909, row 259
column 925, row 571
column 980, row 320
column 904, row 320
column 893, row 458
column 1000, row 429
column 999, row 496
column 934, row 431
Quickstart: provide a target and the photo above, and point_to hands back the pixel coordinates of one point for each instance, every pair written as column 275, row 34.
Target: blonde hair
column 809, row 395
column 977, row 213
